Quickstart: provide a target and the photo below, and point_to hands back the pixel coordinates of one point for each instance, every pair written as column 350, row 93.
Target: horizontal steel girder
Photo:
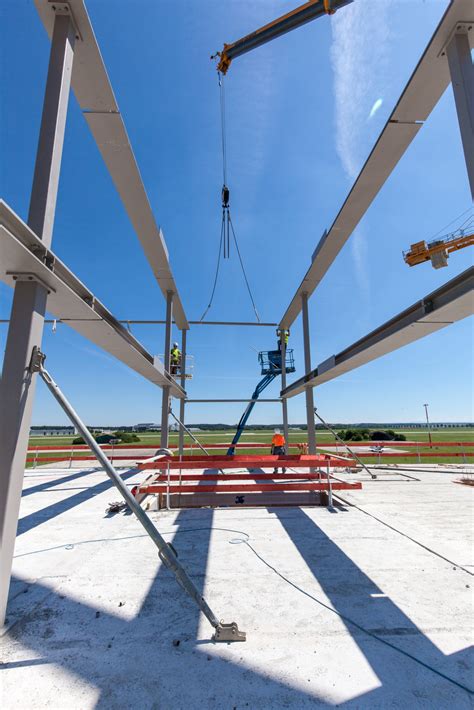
column 23, row 256
column 450, row 303
column 427, row 84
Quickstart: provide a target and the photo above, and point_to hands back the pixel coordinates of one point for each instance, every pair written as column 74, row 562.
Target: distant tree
column 125, row 437
column 387, row 435
column 380, row 435
column 104, row 438
column 78, row 440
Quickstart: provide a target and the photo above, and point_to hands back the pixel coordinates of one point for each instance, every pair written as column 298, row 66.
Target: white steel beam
column 24, row 257
column 425, row 87
column 448, row 304
column 94, row 93
column 17, row 385
column 462, row 79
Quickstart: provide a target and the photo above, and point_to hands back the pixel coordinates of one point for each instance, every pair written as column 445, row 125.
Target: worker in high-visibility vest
column 283, row 335
column 175, row 359
column 278, row 447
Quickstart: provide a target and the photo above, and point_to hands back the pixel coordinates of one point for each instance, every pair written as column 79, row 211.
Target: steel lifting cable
column 223, row 128
column 243, row 270
column 467, row 220
column 226, row 224
column 217, row 270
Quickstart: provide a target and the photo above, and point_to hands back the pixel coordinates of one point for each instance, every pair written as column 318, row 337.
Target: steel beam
column 462, row 79
column 96, row 99
column 307, row 365
column 450, row 303
column 183, row 385
column 23, row 257
column 159, row 322
column 427, row 84
column 165, row 403
column 210, row 401
column 17, row 386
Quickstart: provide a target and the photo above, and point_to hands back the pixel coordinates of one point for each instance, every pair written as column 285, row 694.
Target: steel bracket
column 428, row 306
column 229, row 632
column 90, row 300
column 461, row 28
column 37, row 360
column 63, row 8
column 44, row 255
column 28, row 276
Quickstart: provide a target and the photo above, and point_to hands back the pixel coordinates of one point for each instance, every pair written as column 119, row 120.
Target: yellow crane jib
column 438, row 250
column 299, row 16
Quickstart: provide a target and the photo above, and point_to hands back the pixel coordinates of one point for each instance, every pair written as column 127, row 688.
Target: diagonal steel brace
column 167, row 553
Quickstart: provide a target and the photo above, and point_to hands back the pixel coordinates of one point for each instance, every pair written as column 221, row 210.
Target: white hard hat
column 175, row 345
column 277, row 431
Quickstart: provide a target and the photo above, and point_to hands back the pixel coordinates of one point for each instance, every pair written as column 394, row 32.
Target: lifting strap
column 226, row 223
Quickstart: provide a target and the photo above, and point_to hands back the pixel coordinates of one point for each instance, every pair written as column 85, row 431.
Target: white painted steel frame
column 95, row 95
column 425, row 87
column 450, row 303
column 23, row 253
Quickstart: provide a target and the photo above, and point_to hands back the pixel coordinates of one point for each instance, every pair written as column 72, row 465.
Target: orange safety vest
column 278, row 440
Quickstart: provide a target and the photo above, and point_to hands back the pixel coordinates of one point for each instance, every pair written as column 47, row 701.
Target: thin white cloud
column 359, row 57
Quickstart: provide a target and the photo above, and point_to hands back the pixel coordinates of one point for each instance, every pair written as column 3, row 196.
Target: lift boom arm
column 299, row 16
column 264, row 382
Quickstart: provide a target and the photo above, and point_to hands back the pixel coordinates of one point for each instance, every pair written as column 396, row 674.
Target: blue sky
column 299, row 128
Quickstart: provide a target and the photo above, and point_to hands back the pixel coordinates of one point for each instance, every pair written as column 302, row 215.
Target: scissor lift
column 270, row 367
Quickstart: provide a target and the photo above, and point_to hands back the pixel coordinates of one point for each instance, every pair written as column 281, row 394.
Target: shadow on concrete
column 350, row 591
column 28, row 522
column 52, row 483
column 139, row 662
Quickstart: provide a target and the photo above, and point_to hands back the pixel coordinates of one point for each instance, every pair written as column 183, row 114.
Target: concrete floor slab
column 366, row 606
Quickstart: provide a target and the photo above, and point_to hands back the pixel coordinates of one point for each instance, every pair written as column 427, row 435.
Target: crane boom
column 299, row 16
column 438, row 250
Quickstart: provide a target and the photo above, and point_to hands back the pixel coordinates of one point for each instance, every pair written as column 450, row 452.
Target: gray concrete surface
column 93, row 614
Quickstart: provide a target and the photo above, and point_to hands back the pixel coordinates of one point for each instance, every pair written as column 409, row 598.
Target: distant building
column 53, row 431
column 147, row 426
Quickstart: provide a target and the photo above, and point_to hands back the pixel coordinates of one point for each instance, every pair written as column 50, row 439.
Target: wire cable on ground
column 348, row 620
column 425, row 547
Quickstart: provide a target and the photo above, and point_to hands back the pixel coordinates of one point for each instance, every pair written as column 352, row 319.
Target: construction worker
column 175, row 359
column 283, row 335
column 278, row 447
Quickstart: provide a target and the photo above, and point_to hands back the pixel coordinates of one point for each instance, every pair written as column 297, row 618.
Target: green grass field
column 322, row 438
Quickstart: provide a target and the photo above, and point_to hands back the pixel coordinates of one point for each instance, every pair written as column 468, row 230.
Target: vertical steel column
column 284, row 401
column 165, row 406
column 462, row 78
column 29, row 301
column 183, row 385
column 307, row 368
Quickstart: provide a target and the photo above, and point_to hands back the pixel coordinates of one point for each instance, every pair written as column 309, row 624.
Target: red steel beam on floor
column 247, row 462
column 162, row 478
column 247, row 487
